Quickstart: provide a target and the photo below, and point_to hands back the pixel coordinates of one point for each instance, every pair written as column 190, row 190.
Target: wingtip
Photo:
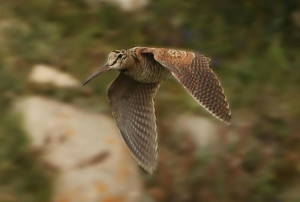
column 227, row 120
column 147, row 169
column 228, row 123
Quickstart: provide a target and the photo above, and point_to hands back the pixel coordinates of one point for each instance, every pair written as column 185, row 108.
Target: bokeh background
column 255, row 51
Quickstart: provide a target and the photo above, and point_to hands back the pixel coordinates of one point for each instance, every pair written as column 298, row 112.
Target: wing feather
column 193, row 72
column 133, row 108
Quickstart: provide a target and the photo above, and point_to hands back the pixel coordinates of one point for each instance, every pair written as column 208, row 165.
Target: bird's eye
column 120, row 56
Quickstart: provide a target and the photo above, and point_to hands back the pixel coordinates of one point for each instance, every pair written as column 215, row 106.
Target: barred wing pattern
column 133, row 108
column 193, row 72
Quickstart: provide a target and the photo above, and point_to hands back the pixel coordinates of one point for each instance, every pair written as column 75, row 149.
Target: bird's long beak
column 100, row 71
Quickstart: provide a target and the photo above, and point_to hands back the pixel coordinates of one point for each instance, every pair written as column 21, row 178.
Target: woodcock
column 131, row 94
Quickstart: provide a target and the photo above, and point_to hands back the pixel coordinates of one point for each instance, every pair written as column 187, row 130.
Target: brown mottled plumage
column 131, row 93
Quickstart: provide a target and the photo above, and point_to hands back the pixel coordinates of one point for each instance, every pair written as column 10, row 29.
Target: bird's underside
column 132, row 101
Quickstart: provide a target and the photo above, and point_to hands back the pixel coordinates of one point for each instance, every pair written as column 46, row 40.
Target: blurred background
column 58, row 141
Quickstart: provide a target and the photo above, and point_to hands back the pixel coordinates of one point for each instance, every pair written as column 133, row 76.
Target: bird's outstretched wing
column 193, row 72
column 133, row 108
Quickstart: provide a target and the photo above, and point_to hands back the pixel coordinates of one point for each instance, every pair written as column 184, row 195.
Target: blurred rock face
column 127, row 5
column 202, row 130
column 85, row 150
column 47, row 75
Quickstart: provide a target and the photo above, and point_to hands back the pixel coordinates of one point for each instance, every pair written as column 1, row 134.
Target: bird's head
column 116, row 60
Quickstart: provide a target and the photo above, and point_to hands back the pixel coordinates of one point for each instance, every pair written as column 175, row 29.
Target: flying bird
column 131, row 94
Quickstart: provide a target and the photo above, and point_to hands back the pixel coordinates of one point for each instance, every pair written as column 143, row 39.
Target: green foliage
column 21, row 176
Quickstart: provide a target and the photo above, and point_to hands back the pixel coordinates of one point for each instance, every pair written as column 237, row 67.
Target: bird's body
column 143, row 68
column 131, row 94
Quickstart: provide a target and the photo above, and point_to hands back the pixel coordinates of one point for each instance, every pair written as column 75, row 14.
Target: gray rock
column 47, row 75
column 126, row 5
column 205, row 132
column 87, row 152
column 202, row 130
